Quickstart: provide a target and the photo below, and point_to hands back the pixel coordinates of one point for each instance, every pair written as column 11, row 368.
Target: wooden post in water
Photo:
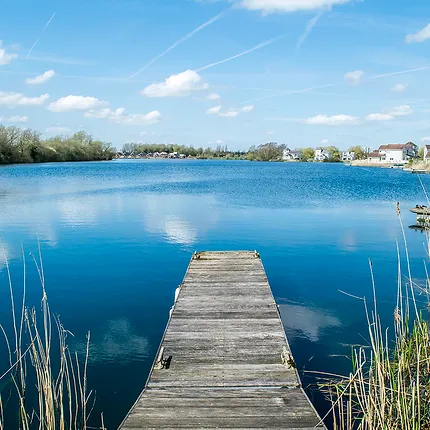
column 224, row 361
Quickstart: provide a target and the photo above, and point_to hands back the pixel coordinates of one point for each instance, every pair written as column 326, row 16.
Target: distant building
column 322, row 154
column 398, row 152
column 348, row 156
column 290, row 155
column 394, row 153
column 427, row 152
column 374, row 157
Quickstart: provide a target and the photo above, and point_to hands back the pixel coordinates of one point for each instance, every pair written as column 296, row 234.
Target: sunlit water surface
column 116, row 238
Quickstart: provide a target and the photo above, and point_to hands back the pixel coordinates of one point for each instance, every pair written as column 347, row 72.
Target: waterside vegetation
column 270, row 151
column 27, row 146
column 43, row 384
column 389, row 383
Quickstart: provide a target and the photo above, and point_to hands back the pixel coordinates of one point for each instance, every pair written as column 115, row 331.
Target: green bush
column 26, row 146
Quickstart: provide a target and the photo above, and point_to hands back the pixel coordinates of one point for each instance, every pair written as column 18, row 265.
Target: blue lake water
column 116, row 238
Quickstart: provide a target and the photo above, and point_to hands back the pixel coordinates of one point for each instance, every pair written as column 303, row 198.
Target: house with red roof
column 394, row 153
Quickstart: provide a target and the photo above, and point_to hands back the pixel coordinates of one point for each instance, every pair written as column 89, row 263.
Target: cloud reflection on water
column 118, row 343
column 301, row 321
column 180, row 218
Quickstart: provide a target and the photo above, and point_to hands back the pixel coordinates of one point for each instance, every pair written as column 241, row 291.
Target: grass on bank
column 44, row 385
column 389, row 384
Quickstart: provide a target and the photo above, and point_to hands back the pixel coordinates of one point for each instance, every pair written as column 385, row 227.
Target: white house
column 427, row 152
column 398, row 152
column 289, row 155
column 394, row 153
column 322, row 154
column 374, row 157
column 348, row 155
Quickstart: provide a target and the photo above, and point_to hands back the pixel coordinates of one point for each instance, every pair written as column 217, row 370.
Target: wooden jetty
column 423, row 217
column 224, row 360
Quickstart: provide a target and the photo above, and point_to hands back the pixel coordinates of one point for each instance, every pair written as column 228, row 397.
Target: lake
column 116, row 238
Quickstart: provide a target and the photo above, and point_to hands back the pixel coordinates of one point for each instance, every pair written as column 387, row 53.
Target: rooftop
column 392, row 146
column 374, row 154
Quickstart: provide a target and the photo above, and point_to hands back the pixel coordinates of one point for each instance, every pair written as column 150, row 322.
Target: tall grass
column 44, row 383
column 389, row 384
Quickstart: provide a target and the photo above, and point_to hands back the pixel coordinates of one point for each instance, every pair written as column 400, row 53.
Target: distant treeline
column 26, row 146
column 270, row 151
column 151, row 148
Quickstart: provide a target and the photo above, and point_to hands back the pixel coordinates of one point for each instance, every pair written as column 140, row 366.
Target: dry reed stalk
column 388, row 388
column 60, row 399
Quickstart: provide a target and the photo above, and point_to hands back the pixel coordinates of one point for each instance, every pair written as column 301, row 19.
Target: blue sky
column 209, row 72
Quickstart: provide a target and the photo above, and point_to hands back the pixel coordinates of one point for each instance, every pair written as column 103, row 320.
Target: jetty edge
column 224, row 360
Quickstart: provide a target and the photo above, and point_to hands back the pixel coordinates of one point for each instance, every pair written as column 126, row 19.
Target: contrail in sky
column 309, row 27
column 260, row 45
column 290, row 92
column 305, row 90
column 41, row 34
column 178, row 42
column 402, row 72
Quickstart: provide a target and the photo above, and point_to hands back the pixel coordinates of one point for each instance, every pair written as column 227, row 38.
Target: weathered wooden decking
column 227, row 357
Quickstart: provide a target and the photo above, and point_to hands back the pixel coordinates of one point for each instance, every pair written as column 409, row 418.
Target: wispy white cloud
column 379, row 117
column 390, row 114
column 231, row 113
column 178, row 42
column 401, row 110
column 248, row 51
column 44, row 77
column 269, row 132
column 119, row 116
column 213, row 96
column 355, row 77
column 420, row 36
column 41, row 34
column 425, row 139
column 324, row 141
column 13, row 119
column 279, row 6
column 332, row 120
column 6, row 58
column 399, row 88
column 308, row 29
column 214, row 110
column 10, row 99
column 103, row 113
column 248, row 108
column 71, row 102
column 181, row 84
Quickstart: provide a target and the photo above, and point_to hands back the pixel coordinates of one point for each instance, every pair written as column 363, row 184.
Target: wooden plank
column 226, row 352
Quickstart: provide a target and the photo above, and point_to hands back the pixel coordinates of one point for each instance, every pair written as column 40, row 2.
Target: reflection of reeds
column 48, row 384
column 389, row 385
